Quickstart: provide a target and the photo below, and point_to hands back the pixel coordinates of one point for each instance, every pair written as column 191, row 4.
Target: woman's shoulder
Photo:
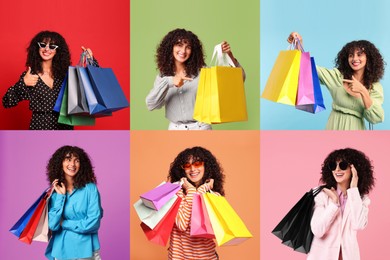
column 91, row 186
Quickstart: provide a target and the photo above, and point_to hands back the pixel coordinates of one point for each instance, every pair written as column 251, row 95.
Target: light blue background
column 325, row 26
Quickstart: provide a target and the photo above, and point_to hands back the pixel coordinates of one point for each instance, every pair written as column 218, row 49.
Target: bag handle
column 221, row 58
column 296, row 45
column 318, row 189
column 85, row 59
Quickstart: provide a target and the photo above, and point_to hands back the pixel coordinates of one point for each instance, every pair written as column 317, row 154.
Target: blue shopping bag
column 19, row 226
column 57, row 106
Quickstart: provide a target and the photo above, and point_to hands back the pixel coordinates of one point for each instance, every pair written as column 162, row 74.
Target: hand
column 186, row 184
column 293, row 36
column 226, row 49
column 355, row 86
column 89, row 52
column 59, row 188
column 209, row 183
column 30, row 79
column 332, row 194
column 355, row 178
column 178, row 79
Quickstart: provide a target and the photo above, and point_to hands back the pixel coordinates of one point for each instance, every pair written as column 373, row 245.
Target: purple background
column 23, row 159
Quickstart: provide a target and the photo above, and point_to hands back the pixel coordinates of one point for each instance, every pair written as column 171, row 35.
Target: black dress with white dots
column 42, row 100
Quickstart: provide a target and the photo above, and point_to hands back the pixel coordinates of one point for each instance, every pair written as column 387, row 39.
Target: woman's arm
column 156, row 97
column 375, row 113
column 16, row 93
column 183, row 216
column 56, row 207
column 359, row 208
column 91, row 222
column 324, row 215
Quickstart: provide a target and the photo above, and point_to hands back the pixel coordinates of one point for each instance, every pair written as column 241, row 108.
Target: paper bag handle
column 221, row 58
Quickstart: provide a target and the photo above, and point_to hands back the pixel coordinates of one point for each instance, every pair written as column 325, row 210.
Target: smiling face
column 342, row 177
column 182, row 51
column 194, row 170
column 46, row 50
column 70, row 166
column 357, row 60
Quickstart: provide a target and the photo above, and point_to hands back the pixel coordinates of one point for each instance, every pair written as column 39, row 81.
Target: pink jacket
column 333, row 230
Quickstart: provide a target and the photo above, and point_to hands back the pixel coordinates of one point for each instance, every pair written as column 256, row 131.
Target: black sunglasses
column 343, row 165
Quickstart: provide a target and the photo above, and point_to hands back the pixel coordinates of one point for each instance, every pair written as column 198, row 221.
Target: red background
column 103, row 26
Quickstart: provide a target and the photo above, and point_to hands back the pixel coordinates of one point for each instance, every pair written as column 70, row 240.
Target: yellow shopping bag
column 282, row 84
column 228, row 227
column 221, row 94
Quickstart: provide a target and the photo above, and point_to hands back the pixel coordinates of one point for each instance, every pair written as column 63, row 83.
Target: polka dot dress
column 42, row 100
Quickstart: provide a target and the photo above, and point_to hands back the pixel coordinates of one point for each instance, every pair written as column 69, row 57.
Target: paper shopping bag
column 77, row 102
column 305, row 93
column 318, row 103
column 42, row 233
column 228, row 227
column 65, row 118
column 161, row 232
column 106, row 86
column 202, row 101
column 157, row 197
column 294, row 229
column 19, row 226
column 151, row 217
column 282, row 84
column 200, row 221
column 57, row 105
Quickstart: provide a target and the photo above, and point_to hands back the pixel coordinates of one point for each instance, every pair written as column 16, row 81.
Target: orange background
column 238, row 152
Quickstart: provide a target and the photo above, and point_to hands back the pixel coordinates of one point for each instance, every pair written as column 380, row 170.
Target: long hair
column 61, row 60
column 212, row 168
column 361, row 163
column 164, row 55
column 375, row 66
column 85, row 174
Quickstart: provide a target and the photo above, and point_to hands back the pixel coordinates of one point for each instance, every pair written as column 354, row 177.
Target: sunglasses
column 343, row 165
column 43, row 45
column 196, row 164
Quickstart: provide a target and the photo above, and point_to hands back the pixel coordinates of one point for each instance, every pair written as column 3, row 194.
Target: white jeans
column 96, row 256
column 190, row 126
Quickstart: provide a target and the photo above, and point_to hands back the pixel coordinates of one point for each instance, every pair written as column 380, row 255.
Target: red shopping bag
column 161, row 233
column 200, row 221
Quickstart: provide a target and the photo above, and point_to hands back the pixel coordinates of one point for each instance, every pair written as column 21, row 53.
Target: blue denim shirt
column 74, row 220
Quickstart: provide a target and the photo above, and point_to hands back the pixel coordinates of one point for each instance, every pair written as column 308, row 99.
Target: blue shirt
column 74, row 220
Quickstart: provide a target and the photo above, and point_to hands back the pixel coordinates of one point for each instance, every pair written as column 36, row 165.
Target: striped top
column 182, row 246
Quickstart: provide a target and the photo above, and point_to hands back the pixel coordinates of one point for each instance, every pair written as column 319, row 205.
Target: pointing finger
column 348, row 80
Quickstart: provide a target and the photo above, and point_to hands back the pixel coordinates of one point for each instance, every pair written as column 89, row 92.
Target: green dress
column 348, row 112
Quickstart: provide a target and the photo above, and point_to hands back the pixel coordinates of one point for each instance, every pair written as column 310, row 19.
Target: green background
column 213, row 21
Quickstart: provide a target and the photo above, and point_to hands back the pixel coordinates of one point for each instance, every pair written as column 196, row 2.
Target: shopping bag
column 221, row 94
column 157, row 197
column 42, row 233
column 318, row 103
column 29, row 231
column 161, row 232
column 305, row 93
column 106, row 86
column 200, row 221
column 294, row 229
column 151, row 217
column 228, row 227
column 19, row 226
column 77, row 102
column 65, row 118
column 282, row 84
column 57, row 105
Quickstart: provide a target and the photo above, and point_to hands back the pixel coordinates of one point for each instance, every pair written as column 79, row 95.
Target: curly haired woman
column 354, row 85
column 48, row 59
column 179, row 59
column 199, row 171
column 342, row 210
column 74, row 208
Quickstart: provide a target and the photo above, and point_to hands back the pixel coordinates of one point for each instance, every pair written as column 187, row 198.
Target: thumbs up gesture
column 30, row 79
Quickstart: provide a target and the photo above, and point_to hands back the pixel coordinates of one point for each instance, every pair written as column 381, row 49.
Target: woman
column 74, row 208
column 200, row 172
column 354, row 85
column 179, row 59
column 341, row 211
column 48, row 59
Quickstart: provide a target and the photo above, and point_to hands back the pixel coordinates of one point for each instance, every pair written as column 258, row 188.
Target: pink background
column 23, row 159
column 290, row 165
column 101, row 25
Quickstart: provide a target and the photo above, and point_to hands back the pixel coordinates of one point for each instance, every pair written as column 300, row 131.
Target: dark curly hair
column 361, row 163
column 85, row 174
column 212, row 168
column 61, row 60
column 375, row 66
column 164, row 55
